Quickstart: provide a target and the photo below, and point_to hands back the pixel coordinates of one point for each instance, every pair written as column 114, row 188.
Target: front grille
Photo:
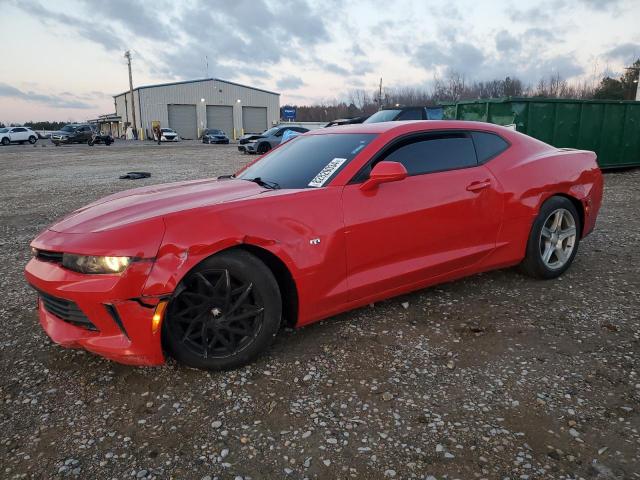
column 46, row 256
column 66, row 310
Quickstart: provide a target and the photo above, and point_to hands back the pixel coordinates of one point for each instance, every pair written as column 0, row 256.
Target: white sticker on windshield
column 326, row 172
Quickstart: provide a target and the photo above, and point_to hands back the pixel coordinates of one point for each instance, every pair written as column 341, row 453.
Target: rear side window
column 435, row 153
column 488, row 145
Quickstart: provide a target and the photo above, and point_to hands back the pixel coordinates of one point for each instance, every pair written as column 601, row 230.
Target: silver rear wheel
column 557, row 239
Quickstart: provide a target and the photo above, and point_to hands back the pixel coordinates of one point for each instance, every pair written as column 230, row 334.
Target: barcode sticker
column 326, row 172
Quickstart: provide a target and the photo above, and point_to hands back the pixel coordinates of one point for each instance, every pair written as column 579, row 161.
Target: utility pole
column 380, row 95
column 127, row 55
column 636, row 81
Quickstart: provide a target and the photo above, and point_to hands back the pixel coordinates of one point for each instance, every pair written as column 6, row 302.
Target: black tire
column 33, row 139
column 231, row 303
column 6, row 141
column 539, row 242
column 107, row 142
column 263, row 148
column 90, row 143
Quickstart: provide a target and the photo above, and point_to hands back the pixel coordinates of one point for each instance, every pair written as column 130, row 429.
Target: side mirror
column 384, row 172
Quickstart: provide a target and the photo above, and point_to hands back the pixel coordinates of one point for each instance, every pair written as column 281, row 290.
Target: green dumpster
column 611, row 128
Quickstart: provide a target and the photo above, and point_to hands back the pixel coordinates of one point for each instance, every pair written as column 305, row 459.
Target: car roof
column 411, row 126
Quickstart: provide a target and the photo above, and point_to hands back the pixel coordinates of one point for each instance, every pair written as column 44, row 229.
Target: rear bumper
column 123, row 331
column 592, row 202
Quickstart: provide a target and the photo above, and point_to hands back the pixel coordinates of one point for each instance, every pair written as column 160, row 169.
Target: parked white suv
column 17, row 135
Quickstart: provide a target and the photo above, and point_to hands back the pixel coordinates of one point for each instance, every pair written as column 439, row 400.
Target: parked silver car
column 269, row 139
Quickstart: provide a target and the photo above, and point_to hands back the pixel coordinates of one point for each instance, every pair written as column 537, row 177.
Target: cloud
column 136, row 17
column 333, row 68
column 537, row 14
column 505, row 42
column 92, row 31
column 8, row 91
column 289, row 83
column 457, row 56
column 361, row 67
column 602, row 5
column 627, row 52
column 526, row 56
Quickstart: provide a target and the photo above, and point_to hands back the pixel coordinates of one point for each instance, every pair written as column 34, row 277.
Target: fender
column 309, row 243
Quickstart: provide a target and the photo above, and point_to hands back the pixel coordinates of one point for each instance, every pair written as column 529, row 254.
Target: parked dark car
column 269, row 139
column 346, row 121
column 80, row 133
column 213, row 135
column 405, row 113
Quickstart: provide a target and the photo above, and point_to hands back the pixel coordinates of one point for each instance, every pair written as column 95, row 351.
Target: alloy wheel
column 215, row 315
column 558, row 238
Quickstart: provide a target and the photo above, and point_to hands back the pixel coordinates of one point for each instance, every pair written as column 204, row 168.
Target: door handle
column 477, row 186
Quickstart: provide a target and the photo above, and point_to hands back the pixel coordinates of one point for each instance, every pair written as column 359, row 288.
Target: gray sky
column 63, row 60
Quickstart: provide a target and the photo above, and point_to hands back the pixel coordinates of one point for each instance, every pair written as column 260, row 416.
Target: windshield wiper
column 224, row 177
column 264, row 183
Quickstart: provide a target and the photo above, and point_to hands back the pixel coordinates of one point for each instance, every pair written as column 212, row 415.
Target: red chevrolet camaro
column 208, row 270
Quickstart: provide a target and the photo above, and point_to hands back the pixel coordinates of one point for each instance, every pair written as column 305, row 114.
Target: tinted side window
column 488, row 145
column 435, row 153
column 19, row 129
column 410, row 115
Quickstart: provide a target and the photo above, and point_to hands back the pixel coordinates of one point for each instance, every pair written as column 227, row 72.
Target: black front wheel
column 224, row 313
column 6, row 141
column 33, row 139
column 263, row 148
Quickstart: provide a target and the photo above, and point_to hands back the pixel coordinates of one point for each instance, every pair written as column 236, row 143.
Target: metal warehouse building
column 191, row 106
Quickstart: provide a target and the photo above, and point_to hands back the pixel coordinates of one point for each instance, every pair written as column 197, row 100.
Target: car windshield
column 68, row 128
column 214, row 132
column 167, row 130
column 270, row 132
column 4, row 130
column 383, row 116
column 308, row 160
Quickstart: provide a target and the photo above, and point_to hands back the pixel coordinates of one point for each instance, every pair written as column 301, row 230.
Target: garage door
column 254, row 119
column 221, row 117
column 182, row 118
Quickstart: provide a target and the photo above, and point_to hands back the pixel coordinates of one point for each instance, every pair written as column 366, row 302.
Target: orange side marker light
column 158, row 315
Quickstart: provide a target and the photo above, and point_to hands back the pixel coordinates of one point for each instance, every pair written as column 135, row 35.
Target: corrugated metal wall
column 151, row 102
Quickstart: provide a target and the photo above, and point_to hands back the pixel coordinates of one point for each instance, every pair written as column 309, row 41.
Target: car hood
column 141, row 204
column 61, row 132
column 169, row 134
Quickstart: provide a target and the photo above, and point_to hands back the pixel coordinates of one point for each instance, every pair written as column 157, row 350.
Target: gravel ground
column 494, row 376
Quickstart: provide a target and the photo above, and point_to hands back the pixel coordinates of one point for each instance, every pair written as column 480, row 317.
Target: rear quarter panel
column 531, row 172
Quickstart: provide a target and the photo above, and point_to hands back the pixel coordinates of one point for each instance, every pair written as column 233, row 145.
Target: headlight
column 91, row 264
